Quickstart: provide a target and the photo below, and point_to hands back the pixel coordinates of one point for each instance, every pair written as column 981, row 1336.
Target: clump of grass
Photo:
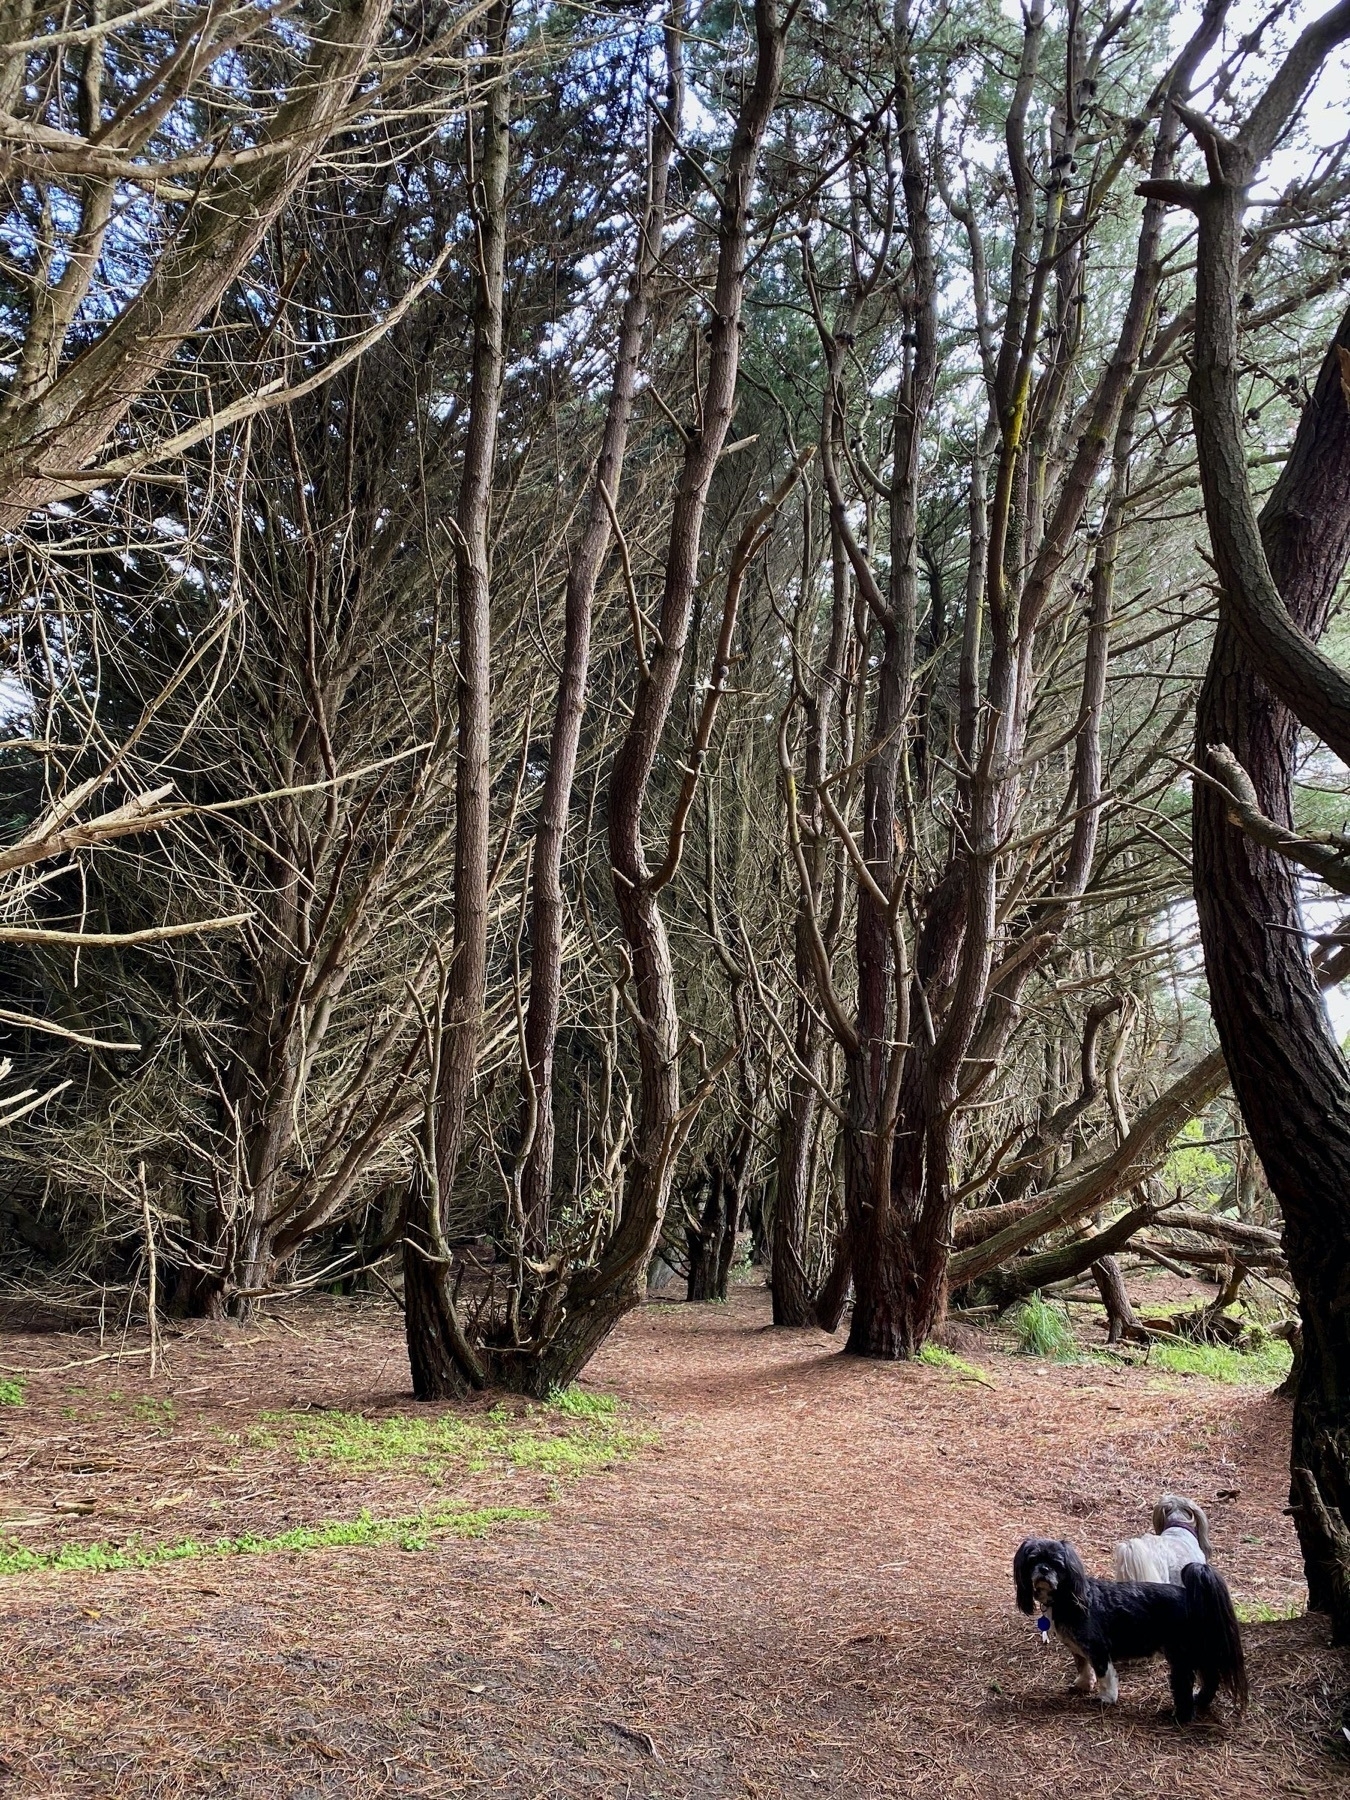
column 11, row 1393
column 590, row 1438
column 581, row 1403
column 936, row 1356
column 1043, row 1329
column 1263, row 1612
column 409, row 1534
column 1265, row 1365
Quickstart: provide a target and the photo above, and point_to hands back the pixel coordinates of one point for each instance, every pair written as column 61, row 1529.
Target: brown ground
column 804, row 1590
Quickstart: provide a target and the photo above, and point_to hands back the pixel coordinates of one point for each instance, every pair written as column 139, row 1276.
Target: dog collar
column 1177, row 1523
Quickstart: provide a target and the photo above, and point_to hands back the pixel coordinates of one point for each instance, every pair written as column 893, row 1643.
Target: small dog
column 1104, row 1622
column 1180, row 1536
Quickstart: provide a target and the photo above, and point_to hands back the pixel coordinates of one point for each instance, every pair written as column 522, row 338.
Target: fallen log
column 1097, row 1177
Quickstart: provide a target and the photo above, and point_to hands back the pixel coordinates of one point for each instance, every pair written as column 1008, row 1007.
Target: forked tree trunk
column 546, row 915
column 431, row 1319
column 598, row 1297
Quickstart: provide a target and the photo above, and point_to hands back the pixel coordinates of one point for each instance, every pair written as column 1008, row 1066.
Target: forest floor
column 773, row 1571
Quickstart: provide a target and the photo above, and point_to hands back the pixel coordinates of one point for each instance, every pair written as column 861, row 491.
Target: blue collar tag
column 1043, row 1629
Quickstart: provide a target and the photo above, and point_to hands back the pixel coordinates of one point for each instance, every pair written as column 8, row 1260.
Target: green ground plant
column 575, row 1433
column 1043, row 1329
column 935, row 1356
column 1262, row 1612
column 414, row 1533
column 1264, row 1365
column 11, row 1393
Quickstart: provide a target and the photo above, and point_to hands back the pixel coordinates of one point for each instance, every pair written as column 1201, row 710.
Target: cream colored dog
column 1180, row 1536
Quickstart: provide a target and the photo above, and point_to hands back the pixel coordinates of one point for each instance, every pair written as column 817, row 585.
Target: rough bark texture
column 1120, row 1318
column 1289, row 1075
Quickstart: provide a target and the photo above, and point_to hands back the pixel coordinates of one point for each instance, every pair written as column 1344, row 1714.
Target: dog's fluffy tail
column 1215, row 1635
column 1136, row 1560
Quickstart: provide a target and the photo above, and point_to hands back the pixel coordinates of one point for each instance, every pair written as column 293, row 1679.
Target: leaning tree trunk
column 430, row 1316
column 1289, row 1075
column 1277, row 578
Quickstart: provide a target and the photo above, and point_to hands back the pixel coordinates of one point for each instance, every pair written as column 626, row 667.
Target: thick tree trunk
column 1277, row 578
column 1289, row 1075
column 444, row 1366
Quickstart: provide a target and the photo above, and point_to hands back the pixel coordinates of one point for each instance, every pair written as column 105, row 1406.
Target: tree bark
column 712, row 1246
column 431, row 1320
column 599, row 1296
column 546, row 915
column 1121, row 1322
column 1289, row 1074
column 1277, row 578
column 1097, row 1177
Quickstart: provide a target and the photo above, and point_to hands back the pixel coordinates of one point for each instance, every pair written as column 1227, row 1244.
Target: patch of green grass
column 1266, row 1365
column 937, row 1357
column 409, row 1534
column 1262, row 1612
column 1043, row 1329
column 574, row 1434
column 11, row 1393
column 580, row 1403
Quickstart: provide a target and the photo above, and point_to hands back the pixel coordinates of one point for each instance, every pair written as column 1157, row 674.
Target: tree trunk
column 444, row 1366
column 1277, row 579
column 1289, row 1075
column 431, row 1325
column 598, row 1297
column 1016, row 1280
column 1121, row 1322
column 793, row 1303
column 546, row 916
column 712, row 1246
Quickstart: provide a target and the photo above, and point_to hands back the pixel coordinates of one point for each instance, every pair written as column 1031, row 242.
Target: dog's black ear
column 1022, row 1575
column 1075, row 1575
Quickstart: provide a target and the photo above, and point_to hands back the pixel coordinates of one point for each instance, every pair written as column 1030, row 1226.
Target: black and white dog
column 1105, row 1622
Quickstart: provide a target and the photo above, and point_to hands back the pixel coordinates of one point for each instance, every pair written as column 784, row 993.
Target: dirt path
column 804, row 1589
